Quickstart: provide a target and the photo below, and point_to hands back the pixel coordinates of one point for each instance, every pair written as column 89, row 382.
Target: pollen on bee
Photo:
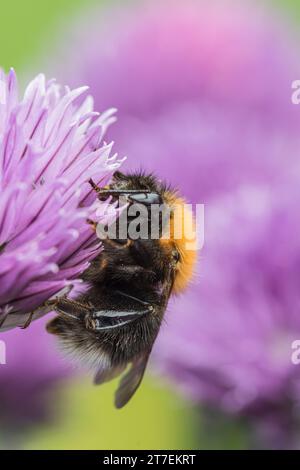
column 103, row 263
column 92, row 224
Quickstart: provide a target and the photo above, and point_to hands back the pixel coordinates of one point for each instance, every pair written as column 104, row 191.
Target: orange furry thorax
column 181, row 234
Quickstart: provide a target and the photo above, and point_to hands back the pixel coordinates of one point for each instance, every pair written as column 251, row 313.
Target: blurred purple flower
column 203, row 91
column 234, row 349
column 50, row 145
column 207, row 82
column 31, row 374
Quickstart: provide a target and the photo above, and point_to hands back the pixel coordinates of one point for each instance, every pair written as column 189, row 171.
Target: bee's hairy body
column 116, row 345
column 120, row 314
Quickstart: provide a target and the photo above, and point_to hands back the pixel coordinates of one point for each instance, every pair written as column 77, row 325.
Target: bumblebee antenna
column 124, row 191
column 117, row 191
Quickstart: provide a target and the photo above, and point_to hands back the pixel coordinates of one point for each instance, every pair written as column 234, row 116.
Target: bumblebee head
column 177, row 237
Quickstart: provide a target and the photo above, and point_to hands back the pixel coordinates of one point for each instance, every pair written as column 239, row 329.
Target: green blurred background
column 28, row 26
column 85, row 417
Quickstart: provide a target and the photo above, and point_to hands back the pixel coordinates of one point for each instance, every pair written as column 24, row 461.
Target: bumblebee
column 116, row 321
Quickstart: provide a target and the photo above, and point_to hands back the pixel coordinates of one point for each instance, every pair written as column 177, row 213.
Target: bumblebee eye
column 176, row 256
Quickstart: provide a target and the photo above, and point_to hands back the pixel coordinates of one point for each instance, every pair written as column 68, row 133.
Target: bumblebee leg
column 126, row 313
column 69, row 308
column 3, row 320
column 109, row 319
column 94, row 186
column 28, row 321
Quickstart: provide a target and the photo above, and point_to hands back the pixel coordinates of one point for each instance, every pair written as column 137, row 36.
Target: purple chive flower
column 50, row 145
column 204, row 98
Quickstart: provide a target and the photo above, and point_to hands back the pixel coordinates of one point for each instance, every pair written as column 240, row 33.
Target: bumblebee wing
column 106, row 375
column 131, row 381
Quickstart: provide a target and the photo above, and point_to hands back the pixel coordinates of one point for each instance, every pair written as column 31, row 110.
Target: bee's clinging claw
column 28, row 321
column 94, row 186
column 92, row 223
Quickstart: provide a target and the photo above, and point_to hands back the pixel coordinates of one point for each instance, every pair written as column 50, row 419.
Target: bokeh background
column 203, row 91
